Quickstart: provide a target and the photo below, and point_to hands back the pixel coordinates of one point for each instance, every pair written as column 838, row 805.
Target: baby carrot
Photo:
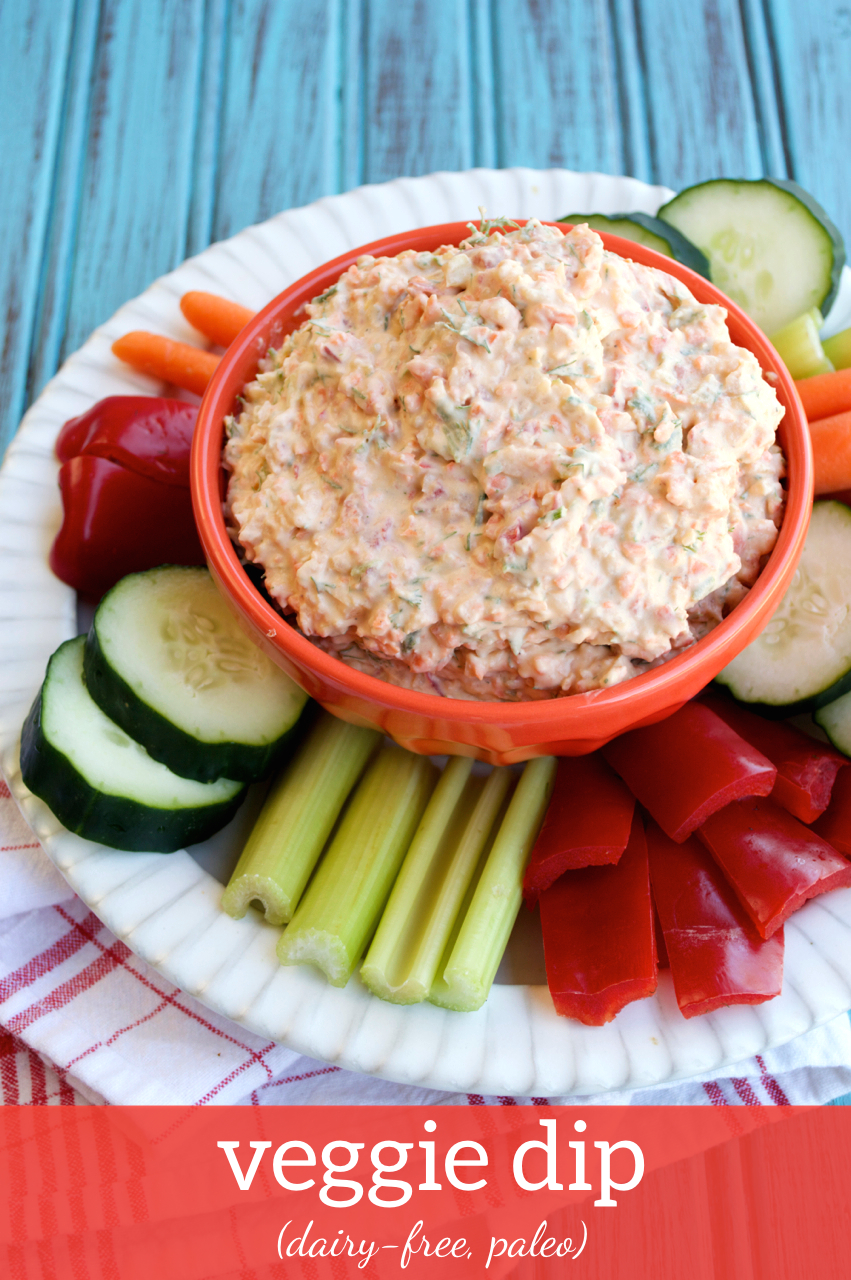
column 832, row 452
column 826, row 394
column 215, row 317
column 170, row 361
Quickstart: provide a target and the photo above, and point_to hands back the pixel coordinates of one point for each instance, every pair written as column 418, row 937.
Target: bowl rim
column 558, row 715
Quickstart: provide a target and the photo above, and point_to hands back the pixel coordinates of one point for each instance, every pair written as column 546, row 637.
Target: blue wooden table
column 135, row 132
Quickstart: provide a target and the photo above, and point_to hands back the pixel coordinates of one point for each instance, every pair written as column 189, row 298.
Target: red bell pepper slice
column 587, row 824
column 715, row 954
column 661, row 945
column 806, row 769
column 147, row 434
column 771, row 860
column 118, row 522
column 689, row 766
column 834, row 825
column 599, row 943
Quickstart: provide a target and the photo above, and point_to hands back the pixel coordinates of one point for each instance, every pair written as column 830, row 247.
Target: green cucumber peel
column 770, row 245
column 166, row 812
column 652, row 232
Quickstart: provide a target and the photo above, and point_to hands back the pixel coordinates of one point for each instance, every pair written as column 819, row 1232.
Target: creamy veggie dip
column 519, row 468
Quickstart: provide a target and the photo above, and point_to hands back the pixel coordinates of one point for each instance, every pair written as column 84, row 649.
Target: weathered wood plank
column 351, row 73
column 556, row 86
column 136, row 180
column 631, row 91
column 700, row 103
column 34, row 38
column 763, row 74
column 60, row 242
column 208, row 122
column 417, row 69
column 483, row 105
column 278, row 143
column 812, row 44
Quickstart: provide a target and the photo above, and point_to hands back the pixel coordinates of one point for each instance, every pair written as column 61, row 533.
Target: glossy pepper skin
column 147, row 434
column 773, row 862
column 125, row 492
column 687, row 767
column 715, row 954
column 806, row 769
column 587, row 824
column 599, row 942
column 834, row 825
column 117, row 522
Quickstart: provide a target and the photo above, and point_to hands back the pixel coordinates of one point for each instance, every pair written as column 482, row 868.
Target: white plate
column 167, row 908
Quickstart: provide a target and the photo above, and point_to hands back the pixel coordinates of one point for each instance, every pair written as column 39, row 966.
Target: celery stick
column 336, row 916
column 474, row 954
column 412, row 934
column 296, row 820
column 838, row 349
column 799, row 346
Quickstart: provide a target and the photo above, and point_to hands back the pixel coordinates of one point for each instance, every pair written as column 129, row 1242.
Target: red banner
column 229, row 1192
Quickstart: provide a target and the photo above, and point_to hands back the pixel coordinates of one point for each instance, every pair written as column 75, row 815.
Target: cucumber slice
column 102, row 785
column 649, row 231
column 802, row 659
column 167, row 661
column 770, row 246
column 835, row 719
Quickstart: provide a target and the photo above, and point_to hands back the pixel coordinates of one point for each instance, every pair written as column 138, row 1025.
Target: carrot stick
column 832, row 452
column 174, row 362
column 826, row 394
column 215, row 317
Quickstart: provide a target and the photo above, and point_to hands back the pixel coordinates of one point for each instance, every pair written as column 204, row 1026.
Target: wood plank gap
column 207, row 126
column 765, row 88
column 632, row 102
column 481, row 80
column 499, row 120
column 351, row 94
column 28, row 172
column 777, row 86
column 640, row 77
column 51, row 309
column 365, row 63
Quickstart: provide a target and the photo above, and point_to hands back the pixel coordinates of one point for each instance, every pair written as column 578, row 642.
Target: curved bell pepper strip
column 118, row 522
column 599, row 942
column 715, row 955
column 587, row 824
column 772, row 862
column 687, row 767
column 147, row 434
column 806, row 768
column 834, row 825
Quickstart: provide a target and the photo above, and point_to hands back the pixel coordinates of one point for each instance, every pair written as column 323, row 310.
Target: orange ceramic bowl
column 500, row 732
